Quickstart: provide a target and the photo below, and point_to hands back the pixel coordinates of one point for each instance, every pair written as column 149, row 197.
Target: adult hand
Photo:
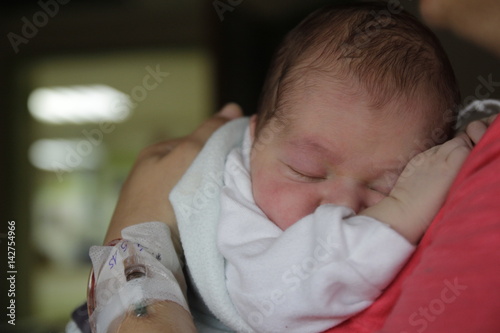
column 476, row 20
column 162, row 317
column 144, row 195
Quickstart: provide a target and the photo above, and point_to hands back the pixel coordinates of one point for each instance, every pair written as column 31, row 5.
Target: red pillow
column 452, row 282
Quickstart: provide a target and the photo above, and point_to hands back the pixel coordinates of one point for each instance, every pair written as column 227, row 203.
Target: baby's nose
column 344, row 192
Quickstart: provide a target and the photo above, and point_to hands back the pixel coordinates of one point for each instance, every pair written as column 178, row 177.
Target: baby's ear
column 253, row 125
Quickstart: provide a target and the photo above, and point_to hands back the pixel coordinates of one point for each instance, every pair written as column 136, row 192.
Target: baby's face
column 333, row 150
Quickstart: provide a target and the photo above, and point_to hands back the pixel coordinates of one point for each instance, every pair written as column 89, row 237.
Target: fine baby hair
column 374, row 47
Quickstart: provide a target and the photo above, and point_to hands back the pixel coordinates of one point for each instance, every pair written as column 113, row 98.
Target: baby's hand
column 476, row 129
column 421, row 189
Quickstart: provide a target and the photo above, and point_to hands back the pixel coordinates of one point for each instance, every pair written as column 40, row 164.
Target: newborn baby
column 318, row 212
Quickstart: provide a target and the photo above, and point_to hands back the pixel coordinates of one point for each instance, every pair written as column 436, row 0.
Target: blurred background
column 84, row 85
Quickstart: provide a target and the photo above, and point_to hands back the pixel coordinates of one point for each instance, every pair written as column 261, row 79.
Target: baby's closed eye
column 306, row 175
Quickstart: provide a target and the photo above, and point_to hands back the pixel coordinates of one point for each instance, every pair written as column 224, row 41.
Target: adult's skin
column 161, row 317
column 475, row 20
column 144, row 196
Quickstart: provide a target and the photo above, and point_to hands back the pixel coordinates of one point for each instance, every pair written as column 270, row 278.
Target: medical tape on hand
column 129, row 274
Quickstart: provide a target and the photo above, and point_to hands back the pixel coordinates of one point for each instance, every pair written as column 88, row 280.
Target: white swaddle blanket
column 196, row 204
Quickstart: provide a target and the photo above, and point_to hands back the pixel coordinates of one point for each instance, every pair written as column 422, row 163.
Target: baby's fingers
column 476, row 129
column 456, row 150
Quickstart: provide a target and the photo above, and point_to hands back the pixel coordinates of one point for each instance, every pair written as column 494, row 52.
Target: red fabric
column 452, row 281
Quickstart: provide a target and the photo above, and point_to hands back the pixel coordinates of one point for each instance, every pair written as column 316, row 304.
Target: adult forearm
column 476, row 20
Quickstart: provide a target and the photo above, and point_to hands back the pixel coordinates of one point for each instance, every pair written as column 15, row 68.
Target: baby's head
column 353, row 93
